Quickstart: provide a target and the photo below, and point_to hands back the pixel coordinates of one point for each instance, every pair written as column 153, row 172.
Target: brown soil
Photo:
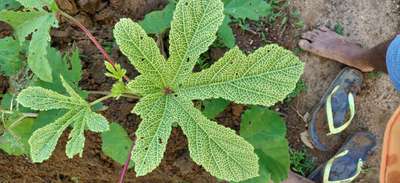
column 3, row 84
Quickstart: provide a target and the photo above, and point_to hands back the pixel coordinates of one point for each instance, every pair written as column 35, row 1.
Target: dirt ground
column 369, row 22
column 375, row 103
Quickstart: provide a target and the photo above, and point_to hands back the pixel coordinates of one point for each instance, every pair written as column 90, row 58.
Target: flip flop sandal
column 347, row 164
column 336, row 110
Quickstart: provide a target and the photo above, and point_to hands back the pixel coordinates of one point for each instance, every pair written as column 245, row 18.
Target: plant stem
column 100, row 100
column 126, row 165
column 127, row 95
column 92, row 38
column 28, row 115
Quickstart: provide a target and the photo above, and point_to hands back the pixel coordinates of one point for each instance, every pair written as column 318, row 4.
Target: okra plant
column 167, row 87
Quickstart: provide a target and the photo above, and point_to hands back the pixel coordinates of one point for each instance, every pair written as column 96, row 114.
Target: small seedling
column 301, row 162
column 299, row 22
column 374, row 75
column 339, row 29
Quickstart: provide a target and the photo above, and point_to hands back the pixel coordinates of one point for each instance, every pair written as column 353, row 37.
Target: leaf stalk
column 100, row 100
column 92, row 38
column 126, row 165
column 126, row 95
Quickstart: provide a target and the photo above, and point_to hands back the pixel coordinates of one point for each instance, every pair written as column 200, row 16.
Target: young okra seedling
column 167, row 87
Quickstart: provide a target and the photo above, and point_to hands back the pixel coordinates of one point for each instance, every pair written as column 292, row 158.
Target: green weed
column 374, row 75
column 301, row 161
column 339, row 29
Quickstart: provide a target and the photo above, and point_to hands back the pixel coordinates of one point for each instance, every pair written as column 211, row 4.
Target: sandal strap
column 329, row 113
column 329, row 164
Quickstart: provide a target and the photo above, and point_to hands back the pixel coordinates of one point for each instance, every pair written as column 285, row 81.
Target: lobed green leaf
column 43, row 141
column 76, row 138
column 153, row 132
column 218, row 149
column 14, row 141
column 37, row 54
column 264, row 77
column 193, row 30
column 79, row 115
column 115, row 71
column 141, row 50
column 11, row 144
column 41, row 99
column 96, row 122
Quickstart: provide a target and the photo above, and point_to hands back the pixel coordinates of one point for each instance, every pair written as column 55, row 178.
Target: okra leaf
column 77, row 137
column 264, row 77
column 68, row 66
column 14, row 140
column 193, row 30
column 218, row 149
column 41, row 99
column 142, row 51
column 78, row 115
column 96, row 122
column 153, row 132
column 44, row 140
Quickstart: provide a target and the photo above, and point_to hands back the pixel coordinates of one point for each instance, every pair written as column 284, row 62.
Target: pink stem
column 93, row 39
column 126, row 166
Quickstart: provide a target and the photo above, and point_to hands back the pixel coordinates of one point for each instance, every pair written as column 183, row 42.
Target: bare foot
column 328, row 44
